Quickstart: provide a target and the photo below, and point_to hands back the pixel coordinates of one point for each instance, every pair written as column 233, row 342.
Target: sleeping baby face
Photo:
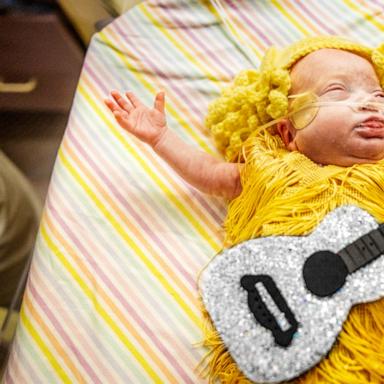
column 339, row 134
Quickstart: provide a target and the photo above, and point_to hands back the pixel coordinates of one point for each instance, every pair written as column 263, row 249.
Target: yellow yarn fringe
column 286, row 193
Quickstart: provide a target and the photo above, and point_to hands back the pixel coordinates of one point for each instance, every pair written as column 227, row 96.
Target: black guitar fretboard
column 364, row 250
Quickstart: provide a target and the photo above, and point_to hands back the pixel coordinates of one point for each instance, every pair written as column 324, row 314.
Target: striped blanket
column 111, row 296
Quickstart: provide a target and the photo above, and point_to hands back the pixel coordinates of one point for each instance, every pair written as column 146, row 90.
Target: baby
column 337, row 135
column 302, row 160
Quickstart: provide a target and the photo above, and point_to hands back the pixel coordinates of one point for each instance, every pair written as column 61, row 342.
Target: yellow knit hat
column 259, row 96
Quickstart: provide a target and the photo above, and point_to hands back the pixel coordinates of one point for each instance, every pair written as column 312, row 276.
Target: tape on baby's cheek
column 303, row 110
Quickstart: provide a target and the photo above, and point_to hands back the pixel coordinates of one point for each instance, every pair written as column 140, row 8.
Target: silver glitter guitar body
column 279, row 302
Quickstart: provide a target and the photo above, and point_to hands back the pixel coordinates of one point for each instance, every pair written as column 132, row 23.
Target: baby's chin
column 371, row 156
column 370, row 151
column 363, row 153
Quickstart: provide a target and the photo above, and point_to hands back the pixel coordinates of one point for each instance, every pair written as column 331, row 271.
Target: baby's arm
column 203, row 171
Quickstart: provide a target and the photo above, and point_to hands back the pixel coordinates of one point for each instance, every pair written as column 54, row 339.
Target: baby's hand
column 147, row 124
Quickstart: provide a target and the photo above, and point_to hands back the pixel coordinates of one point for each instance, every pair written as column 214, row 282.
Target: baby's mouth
column 371, row 128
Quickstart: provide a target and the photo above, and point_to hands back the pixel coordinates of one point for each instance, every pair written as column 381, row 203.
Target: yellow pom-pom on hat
column 262, row 96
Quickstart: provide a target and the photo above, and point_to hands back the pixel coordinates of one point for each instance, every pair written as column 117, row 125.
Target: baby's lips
column 372, row 128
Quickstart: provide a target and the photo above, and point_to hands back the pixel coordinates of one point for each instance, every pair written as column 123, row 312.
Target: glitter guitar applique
column 279, row 302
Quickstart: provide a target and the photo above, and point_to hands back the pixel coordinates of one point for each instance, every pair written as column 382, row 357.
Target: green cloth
column 19, row 219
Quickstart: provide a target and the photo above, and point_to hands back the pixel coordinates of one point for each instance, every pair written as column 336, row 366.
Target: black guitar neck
column 364, row 250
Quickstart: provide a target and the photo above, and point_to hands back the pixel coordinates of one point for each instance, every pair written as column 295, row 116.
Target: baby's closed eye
column 379, row 94
column 336, row 92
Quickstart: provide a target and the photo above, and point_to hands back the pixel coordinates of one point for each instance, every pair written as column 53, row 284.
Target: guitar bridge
column 270, row 308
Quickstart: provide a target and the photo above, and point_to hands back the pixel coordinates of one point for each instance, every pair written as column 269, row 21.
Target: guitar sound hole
column 324, row 273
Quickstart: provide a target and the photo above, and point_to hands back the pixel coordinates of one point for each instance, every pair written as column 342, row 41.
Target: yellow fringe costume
column 285, row 193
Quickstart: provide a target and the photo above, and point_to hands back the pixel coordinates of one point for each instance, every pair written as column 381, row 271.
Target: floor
column 31, row 141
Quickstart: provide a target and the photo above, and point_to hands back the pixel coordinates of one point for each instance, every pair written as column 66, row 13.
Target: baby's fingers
column 122, row 101
column 111, row 105
column 120, row 115
column 159, row 102
column 122, row 118
column 133, row 99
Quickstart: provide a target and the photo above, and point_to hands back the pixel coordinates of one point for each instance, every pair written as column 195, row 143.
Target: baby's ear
column 287, row 133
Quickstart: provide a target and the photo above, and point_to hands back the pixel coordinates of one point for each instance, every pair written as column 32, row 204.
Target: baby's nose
column 369, row 106
column 370, row 103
